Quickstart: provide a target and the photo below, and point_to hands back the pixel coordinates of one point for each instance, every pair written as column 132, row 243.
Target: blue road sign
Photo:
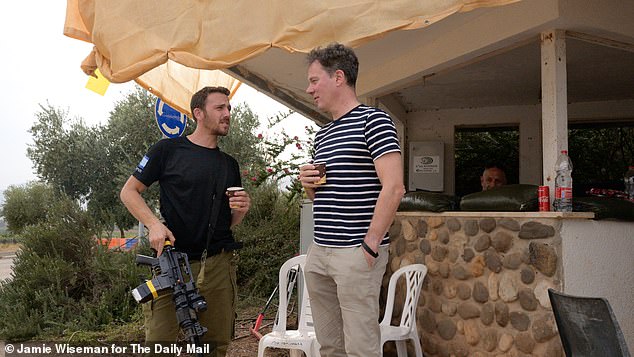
column 170, row 121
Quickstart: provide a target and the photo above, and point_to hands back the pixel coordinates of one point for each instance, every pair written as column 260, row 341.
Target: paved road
column 6, row 259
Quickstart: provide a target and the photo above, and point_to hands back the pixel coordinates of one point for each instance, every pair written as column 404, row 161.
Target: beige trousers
column 344, row 298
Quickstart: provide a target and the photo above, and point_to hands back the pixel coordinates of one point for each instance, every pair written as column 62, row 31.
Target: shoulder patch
column 142, row 164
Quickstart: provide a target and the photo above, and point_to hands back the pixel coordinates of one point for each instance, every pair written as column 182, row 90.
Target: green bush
column 26, row 205
column 63, row 281
column 270, row 233
column 8, row 238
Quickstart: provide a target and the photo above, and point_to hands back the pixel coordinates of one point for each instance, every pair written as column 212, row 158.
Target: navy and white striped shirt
column 344, row 205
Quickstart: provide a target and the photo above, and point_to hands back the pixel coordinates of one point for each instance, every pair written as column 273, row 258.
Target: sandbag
column 508, row 198
column 605, row 207
column 428, row 201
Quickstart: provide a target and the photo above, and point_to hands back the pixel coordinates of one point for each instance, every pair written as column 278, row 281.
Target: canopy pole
column 554, row 103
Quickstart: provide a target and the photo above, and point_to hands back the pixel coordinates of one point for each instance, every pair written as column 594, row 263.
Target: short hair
column 335, row 57
column 199, row 98
column 494, row 165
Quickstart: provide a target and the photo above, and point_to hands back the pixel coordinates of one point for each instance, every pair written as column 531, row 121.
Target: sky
column 39, row 65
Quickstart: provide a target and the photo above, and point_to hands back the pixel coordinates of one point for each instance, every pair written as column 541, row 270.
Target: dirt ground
column 248, row 347
column 9, row 247
column 245, row 343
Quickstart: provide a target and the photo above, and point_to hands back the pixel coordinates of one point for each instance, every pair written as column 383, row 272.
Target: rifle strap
column 221, row 184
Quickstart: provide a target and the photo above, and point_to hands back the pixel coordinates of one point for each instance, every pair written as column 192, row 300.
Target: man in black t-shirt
column 190, row 174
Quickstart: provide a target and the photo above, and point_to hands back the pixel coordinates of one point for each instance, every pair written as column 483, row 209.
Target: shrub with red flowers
column 279, row 157
column 269, row 161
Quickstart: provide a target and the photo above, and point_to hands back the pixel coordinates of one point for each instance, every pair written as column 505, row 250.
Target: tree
column 590, row 146
column 242, row 141
column 90, row 164
column 129, row 133
column 63, row 151
column 26, row 205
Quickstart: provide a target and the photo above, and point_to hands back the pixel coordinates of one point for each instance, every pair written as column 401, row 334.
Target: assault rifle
column 172, row 273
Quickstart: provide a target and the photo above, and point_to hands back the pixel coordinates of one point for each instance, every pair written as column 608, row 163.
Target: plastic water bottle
column 563, row 183
column 629, row 182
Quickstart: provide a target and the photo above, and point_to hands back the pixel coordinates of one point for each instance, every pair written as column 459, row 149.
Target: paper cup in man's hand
column 231, row 191
column 321, row 167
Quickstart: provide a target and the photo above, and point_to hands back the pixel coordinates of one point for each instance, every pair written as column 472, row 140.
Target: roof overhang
column 485, row 57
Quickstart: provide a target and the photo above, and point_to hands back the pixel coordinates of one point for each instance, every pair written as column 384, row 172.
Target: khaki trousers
column 344, row 298
column 220, row 292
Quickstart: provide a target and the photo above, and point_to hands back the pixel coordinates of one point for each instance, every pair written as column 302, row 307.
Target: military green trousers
column 219, row 289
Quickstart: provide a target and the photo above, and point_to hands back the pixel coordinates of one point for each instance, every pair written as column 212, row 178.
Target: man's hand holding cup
column 313, row 175
column 238, row 199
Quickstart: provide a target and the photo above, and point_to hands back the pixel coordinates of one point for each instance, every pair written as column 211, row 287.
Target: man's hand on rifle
column 158, row 234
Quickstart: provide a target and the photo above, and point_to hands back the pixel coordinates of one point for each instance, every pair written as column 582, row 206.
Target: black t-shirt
column 187, row 175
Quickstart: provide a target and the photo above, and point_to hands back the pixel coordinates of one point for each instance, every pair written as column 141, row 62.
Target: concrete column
column 530, row 150
column 554, row 102
column 306, row 226
column 391, row 106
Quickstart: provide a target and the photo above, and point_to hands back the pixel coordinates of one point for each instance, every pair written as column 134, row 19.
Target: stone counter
column 485, row 293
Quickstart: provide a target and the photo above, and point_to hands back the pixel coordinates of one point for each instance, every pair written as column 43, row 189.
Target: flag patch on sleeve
column 142, row 164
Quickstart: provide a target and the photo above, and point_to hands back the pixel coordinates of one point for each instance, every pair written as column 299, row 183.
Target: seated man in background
column 492, row 176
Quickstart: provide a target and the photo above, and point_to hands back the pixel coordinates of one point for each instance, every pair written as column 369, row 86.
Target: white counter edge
column 560, row 215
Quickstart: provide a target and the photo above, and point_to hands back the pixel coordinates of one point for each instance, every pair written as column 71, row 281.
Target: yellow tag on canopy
column 98, row 85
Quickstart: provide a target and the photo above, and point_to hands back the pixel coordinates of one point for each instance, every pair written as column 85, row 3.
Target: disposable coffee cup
column 231, row 191
column 321, row 167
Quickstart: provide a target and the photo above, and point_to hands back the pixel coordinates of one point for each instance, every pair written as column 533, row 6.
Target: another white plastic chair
column 406, row 330
column 304, row 337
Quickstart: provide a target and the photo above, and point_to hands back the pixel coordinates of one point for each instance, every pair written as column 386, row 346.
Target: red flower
column 260, row 136
column 269, row 170
column 295, row 137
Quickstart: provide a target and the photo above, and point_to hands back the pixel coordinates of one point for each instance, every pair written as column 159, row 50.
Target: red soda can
column 544, row 198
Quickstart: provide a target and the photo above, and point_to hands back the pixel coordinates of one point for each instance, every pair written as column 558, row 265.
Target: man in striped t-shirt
column 353, row 209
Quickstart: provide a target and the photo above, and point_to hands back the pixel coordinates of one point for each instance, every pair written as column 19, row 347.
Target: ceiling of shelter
column 509, row 76
column 460, row 62
column 513, row 77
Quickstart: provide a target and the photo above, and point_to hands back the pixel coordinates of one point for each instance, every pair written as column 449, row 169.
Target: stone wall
column 485, row 293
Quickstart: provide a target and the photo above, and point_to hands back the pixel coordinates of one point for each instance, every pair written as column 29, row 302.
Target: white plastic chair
column 406, row 330
column 304, row 337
